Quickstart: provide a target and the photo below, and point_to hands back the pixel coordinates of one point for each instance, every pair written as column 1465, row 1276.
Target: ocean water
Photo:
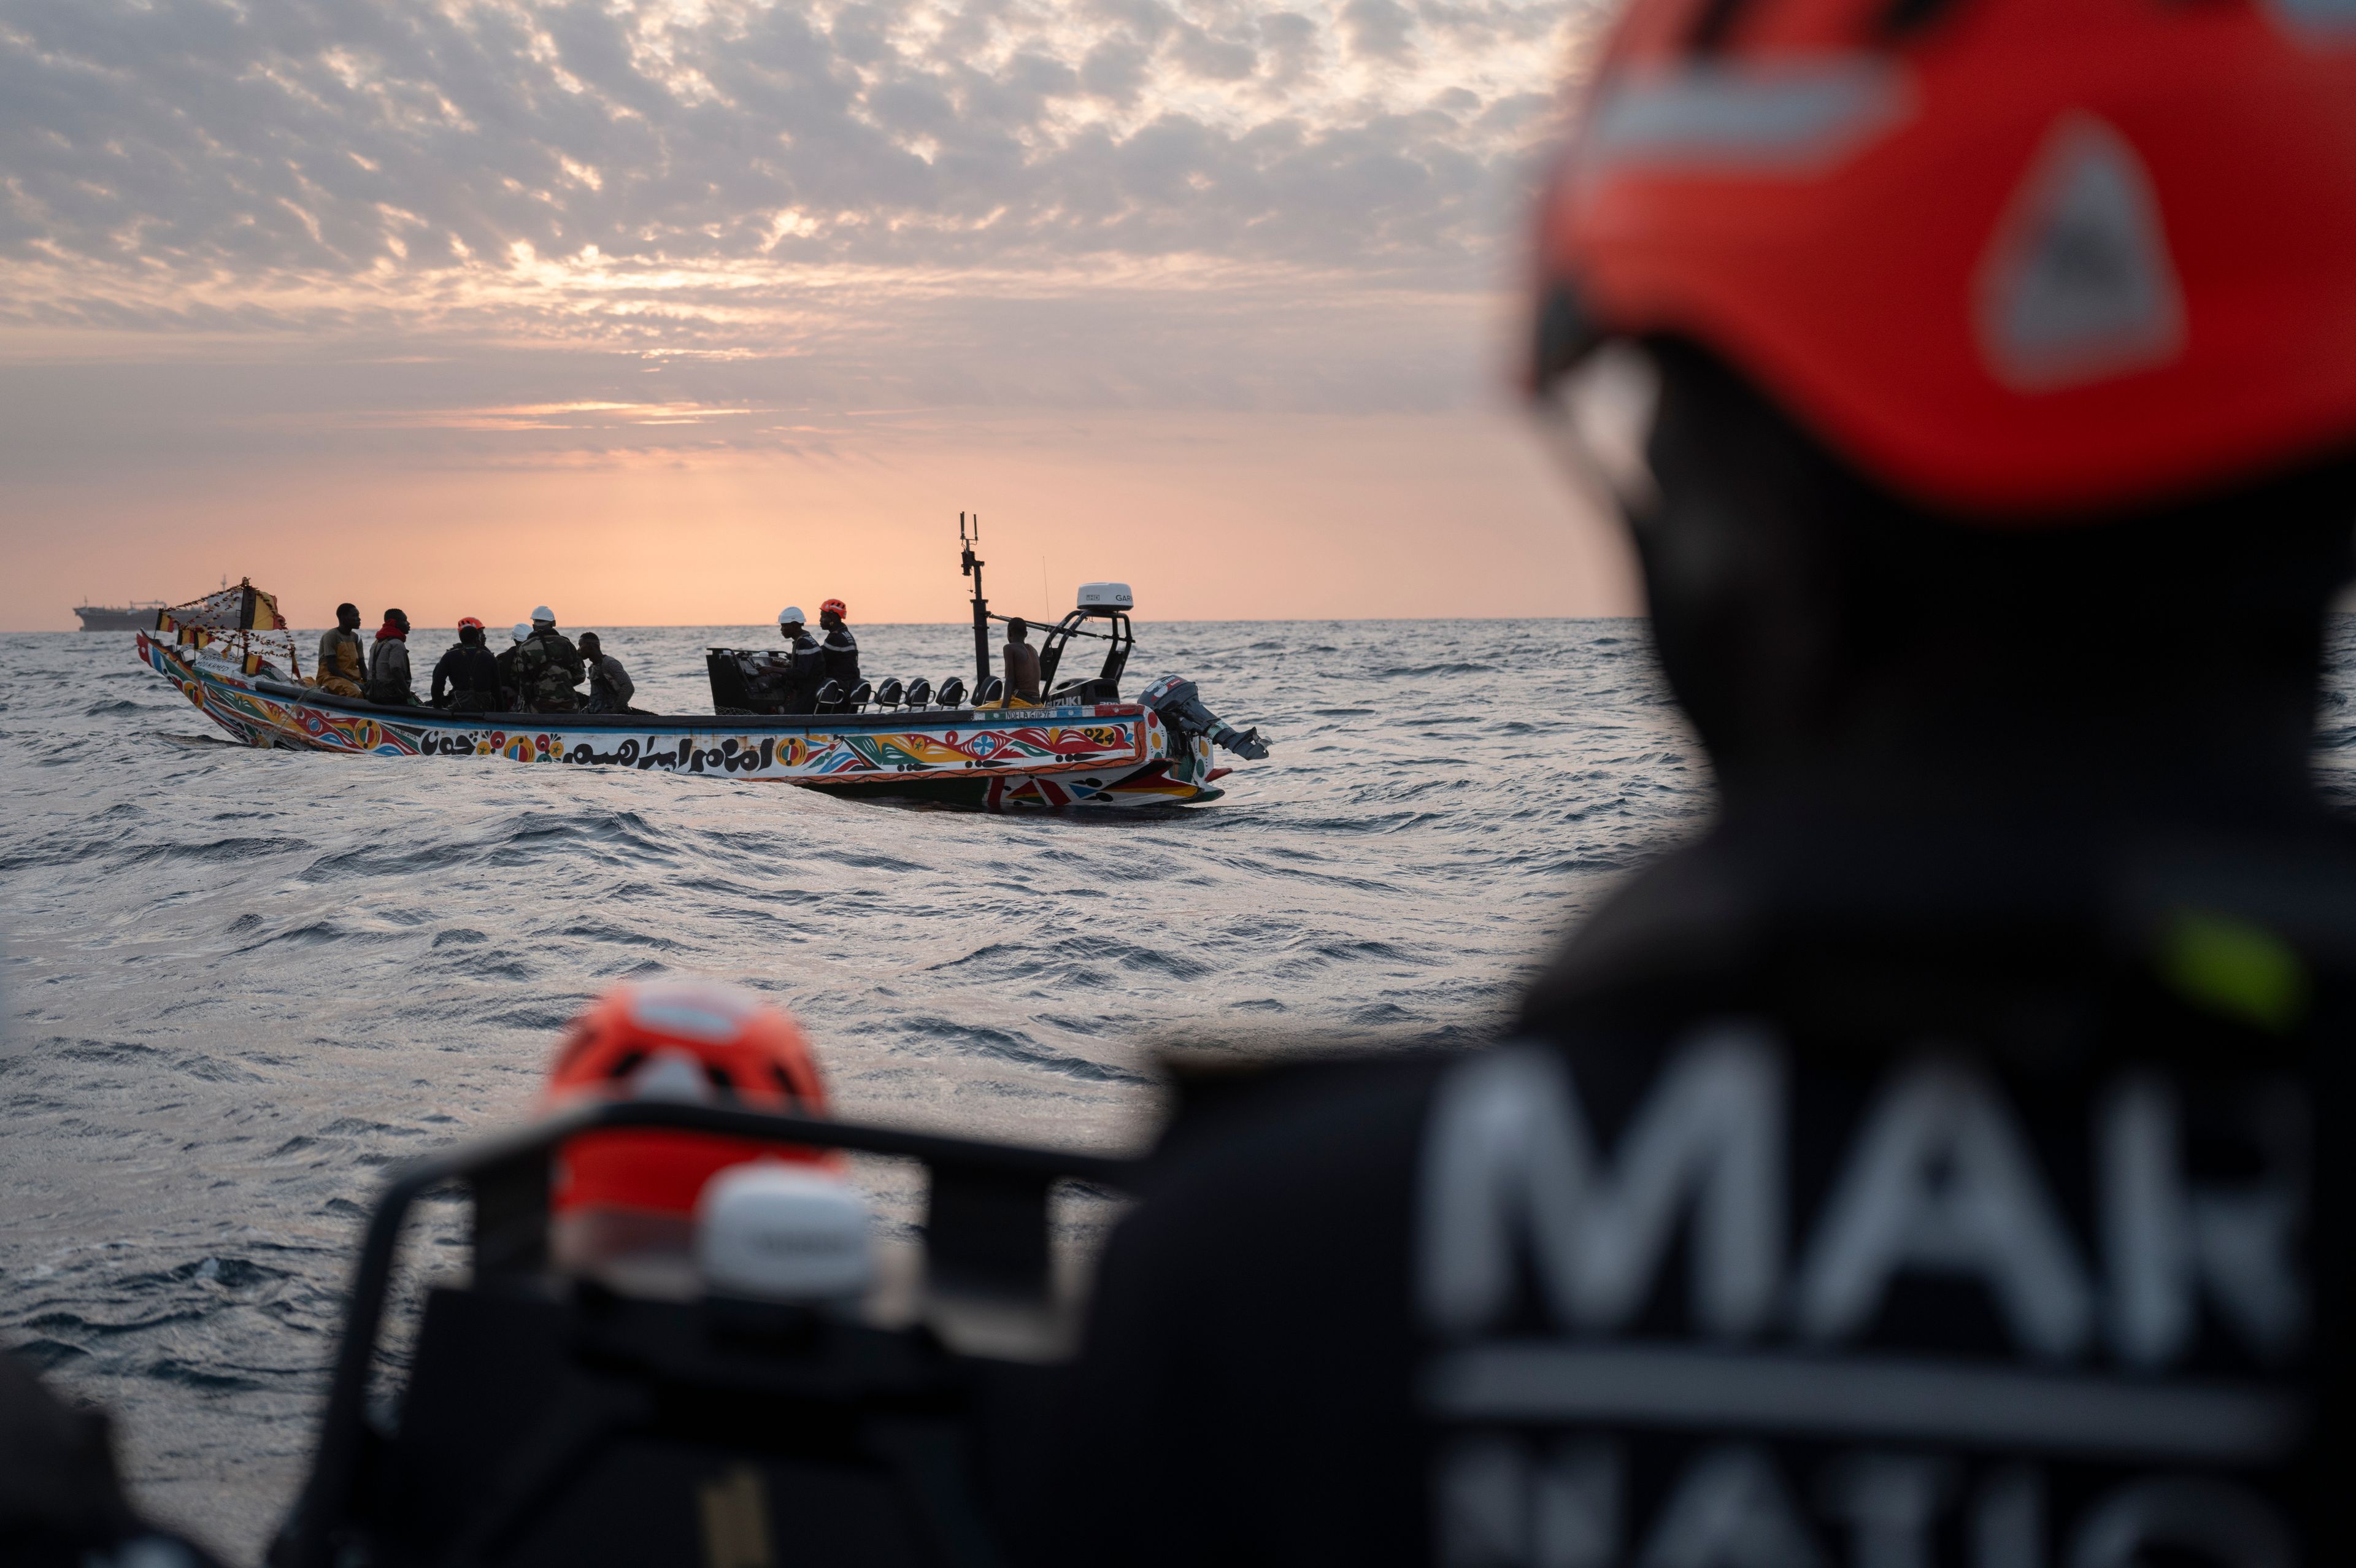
column 242, row 983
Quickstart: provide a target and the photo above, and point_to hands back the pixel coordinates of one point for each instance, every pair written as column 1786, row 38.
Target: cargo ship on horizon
column 139, row 617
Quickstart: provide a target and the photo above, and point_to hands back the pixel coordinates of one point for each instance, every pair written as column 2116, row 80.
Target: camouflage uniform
column 548, row 668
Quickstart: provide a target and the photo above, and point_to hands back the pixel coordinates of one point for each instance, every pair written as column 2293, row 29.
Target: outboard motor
column 1176, row 699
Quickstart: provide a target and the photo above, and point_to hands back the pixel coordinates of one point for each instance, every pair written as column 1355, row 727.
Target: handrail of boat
column 981, row 1197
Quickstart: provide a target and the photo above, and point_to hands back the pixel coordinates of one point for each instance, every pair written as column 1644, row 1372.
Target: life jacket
column 549, row 668
column 841, row 651
column 473, row 674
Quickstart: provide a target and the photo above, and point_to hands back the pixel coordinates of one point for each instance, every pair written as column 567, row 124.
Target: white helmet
column 544, row 614
column 523, row 631
column 791, row 616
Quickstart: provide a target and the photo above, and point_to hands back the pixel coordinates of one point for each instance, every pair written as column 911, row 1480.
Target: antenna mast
column 970, row 565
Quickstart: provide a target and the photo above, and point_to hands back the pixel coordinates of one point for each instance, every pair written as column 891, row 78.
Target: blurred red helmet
column 679, row 1040
column 2026, row 257
column 838, row 607
column 466, row 621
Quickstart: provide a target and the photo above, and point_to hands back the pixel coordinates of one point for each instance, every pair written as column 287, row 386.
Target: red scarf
column 391, row 629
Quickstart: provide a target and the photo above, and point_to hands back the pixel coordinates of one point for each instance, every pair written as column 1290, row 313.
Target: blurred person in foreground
column 1937, row 1161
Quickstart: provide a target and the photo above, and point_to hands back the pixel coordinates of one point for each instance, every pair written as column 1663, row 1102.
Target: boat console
column 557, row 1419
column 1106, row 602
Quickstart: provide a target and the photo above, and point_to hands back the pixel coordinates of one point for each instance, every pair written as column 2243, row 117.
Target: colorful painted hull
column 1112, row 754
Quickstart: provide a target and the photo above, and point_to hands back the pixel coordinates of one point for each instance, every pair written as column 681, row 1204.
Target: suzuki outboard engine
column 1176, row 699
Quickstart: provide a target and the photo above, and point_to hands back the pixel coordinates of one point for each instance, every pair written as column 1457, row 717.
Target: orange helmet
column 837, row 606
column 675, row 1040
column 466, row 621
column 2025, row 257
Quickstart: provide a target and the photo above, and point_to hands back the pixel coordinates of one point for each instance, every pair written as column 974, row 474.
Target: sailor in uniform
column 840, row 654
column 1937, row 1161
column 790, row 680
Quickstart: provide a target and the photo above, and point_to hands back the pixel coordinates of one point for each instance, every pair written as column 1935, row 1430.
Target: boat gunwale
column 938, row 785
column 755, row 723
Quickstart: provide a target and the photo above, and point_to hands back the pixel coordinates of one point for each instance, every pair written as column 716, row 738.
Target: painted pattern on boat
column 1107, row 754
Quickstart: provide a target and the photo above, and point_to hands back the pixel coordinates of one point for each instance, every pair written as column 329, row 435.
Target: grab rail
column 985, row 1231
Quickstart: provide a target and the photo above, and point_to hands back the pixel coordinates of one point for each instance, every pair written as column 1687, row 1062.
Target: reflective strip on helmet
column 1791, row 116
column 2078, row 283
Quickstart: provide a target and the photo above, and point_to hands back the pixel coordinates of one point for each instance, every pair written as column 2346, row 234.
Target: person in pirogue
column 388, row 678
column 548, row 666
column 1914, row 1167
column 837, row 653
column 510, row 682
column 1021, row 661
column 610, row 687
column 343, row 663
column 469, row 672
column 790, row 680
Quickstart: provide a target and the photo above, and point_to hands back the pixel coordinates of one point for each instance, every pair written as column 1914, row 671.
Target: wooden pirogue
column 1098, row 754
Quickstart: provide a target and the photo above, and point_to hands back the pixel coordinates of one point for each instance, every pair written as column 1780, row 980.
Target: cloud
column 1378, row 30
column 780, row 207
column 206, row 139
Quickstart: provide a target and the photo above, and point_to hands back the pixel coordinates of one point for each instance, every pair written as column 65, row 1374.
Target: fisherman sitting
column 343, row 663
column 788, row 682
column 470, row 672
column 610, row 687
column 839, row 653
column 548, row 666
column 388, row 663
column 1021, row 661
column 510, row 683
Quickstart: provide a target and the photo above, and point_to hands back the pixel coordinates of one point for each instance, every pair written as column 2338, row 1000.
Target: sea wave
column 245, row 981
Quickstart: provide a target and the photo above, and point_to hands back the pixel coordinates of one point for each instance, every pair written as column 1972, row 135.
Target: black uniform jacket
column 1855, row 1191
column 796, row 675
column 466, row 671
column 840, row 657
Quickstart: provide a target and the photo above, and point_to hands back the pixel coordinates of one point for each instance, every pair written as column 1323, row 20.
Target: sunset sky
column 672, row 311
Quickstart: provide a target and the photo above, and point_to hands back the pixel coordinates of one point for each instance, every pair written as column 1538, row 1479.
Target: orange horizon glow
column 670, row 311
column 1302, row 517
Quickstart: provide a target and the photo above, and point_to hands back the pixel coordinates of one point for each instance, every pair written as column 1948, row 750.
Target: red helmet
column 2008, row 256
column 837, row 606
column 466, row 621
column 676, row 1039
